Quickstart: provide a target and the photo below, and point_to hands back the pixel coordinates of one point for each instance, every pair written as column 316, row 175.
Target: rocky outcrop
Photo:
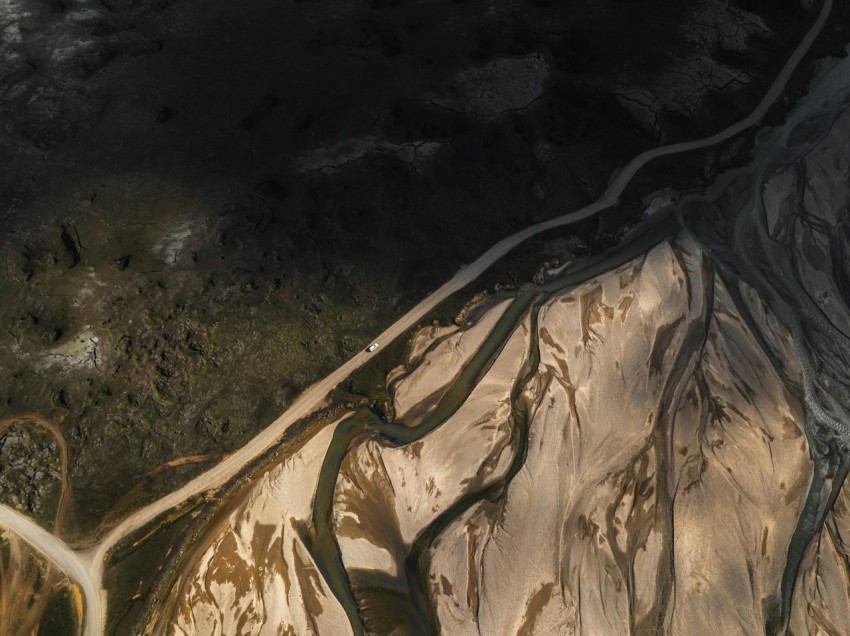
column 29, row 470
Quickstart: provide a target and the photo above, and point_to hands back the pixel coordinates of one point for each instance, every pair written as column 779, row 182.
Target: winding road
column 86, row 567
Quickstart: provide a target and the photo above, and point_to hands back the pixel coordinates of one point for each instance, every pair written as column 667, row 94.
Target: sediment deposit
column 653, row 442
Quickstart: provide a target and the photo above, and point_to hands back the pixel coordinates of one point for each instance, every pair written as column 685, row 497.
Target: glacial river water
column 730, row 221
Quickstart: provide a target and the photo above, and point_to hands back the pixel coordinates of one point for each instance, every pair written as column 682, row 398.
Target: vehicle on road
column 371, row 347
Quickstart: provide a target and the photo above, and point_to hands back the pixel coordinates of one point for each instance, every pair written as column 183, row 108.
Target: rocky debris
column 560, row 254
column 497, row 87
column 329, row 159
column 48, row 53
column 29, row 470
column 658, row 201
column 79, row 351
column 462, row 318
column 723, row 35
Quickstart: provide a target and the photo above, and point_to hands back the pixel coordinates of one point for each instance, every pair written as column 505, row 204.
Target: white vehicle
column 371, row 347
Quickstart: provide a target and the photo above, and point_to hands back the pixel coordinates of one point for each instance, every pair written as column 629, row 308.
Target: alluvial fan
column 654, row 442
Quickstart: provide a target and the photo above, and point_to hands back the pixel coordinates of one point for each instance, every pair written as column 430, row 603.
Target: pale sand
column 415, row 393
column 256, row 576
column 387, row 495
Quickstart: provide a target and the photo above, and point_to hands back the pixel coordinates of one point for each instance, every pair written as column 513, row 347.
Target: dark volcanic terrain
column 205, row 206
